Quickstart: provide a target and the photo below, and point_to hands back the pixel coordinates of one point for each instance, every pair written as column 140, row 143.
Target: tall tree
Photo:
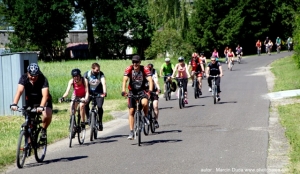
column 122, row 23
column 40, row 23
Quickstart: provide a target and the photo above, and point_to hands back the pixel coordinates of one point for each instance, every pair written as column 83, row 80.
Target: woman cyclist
column 183, row 73
column 204, row 62
column 230, row 56
column 80, row 86
column 215, row 54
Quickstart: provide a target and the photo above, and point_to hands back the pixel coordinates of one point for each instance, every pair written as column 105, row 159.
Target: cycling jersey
column 215, row 54
column 196, row 64
column 137, row 79
column 278, row 41
column 230, row 54
column 258, row 44
column 94, row 81
column 182, row 71
column 154, row 77
column 214, row 68
column 239, row 50
column 33, row 93
column 79, row 90
column 167, row 68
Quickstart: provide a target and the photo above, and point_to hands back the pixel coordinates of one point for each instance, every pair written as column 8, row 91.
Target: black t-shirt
column 214, row 68
column 94, row 81
column 33, row 92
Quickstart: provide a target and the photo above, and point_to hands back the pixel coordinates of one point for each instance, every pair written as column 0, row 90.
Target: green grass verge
column 286, row 73
column 289, row 118
column 286, row 78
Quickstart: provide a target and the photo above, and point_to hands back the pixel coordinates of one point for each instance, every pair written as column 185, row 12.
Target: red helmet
column 195, row 55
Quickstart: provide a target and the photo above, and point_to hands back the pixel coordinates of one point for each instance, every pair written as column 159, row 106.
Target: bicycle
column 151, row 118
column 30, row 137
column 214, row 88
column 75, row 126
column 138, row 121
column 290, row 47
column 278, row 48
column 239, row 57
column 231, row 64
column 196, row 86
column 168, row 89
column 94, row 120
column 181, row 93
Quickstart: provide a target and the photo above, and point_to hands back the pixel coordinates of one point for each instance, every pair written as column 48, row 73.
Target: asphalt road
column 229, row 136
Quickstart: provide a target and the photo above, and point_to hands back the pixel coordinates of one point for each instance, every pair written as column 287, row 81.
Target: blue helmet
column 33, row 69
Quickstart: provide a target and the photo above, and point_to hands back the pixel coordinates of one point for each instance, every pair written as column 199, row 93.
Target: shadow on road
column 227, row 102
column 149, row 143
column 168, row 131
column 65, row 159
column 190, row 106
column 165, row 108
column 107, row 139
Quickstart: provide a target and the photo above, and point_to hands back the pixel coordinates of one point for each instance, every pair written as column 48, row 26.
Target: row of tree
column 153, row 27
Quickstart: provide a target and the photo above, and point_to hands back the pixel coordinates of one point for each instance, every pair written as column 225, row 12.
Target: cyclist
column 137, row 75
column 156, row 89
column 214, row 68
column 36, row 88
column 167, row 70
column 183, row 72
column 80, row 86
column 270, row 45
column 215, row 54
column 239, row 51
column 230, row 56
column 258, row 46
column 266, row 44
column 97, row 85
column 197, row 66
column 225, row 53
column 203, row 58
column 278, row 44
column 290, row 43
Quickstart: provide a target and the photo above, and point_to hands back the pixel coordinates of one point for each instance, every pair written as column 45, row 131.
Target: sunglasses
column 135, row 62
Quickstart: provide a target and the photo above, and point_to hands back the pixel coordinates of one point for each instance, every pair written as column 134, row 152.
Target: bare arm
column 155, row 79
column 45, row 94
column 19, row 92
column 174, row 70
column 68, row 88
column 125, row 79
column 187, row 72
column 149, row 78
column 207, row 70
column 87, row 93
column 221, row 71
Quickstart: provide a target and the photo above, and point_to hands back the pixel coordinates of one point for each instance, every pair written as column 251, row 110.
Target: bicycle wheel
column 146, row 126
column 167, row 91
column 40, row 146
column 80, row 132
column 215, row 94
column 169, row 94
column 139, row 123
column 196, row 89
column 230, row 65
column 21, row 149
column 95, row 127
column 152, row 122
column 72, row 129
column 92, row 127
column 180, row 98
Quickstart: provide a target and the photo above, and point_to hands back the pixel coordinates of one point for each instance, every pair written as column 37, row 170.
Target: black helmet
column 201, row 53
column 33, row 69
column 150, row 65
column 180, row 58
column 136, row 58
column 75, row 72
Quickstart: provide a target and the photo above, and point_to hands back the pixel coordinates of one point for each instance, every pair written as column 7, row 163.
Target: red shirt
column 137, row 79
column 196, row 64
column 79, row 90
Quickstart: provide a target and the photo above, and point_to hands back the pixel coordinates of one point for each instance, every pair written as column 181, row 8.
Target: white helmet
column 167, row 59
column 180, row 58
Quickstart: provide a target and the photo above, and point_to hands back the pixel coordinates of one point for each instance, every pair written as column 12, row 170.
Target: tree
column 44, row 24
column 122, row 23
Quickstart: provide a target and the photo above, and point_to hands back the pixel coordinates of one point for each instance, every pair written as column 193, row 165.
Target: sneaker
column 130, row 137
column 226, row 62
column 147, row 122
column 88, row 122
column 82, row 124
column 156, row 124
column 209, row 89
column 193, row 84
column 43, row 134
column 218, row 97
column 185, row 101
column 100, row 128
column 200, row 92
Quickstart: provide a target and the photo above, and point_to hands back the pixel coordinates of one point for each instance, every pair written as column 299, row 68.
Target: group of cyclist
column 36, row 88
column 269, row 44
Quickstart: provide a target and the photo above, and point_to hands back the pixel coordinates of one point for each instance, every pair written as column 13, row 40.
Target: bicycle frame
column 214, row 88
column 196, row 85
column 94, row 117
column 181, row 93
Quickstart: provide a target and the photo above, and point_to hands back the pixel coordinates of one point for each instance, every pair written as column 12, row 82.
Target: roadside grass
column 286, row 73
column 286, row 78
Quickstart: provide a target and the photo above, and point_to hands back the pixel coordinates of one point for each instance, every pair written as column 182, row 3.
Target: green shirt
column 167, row 69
